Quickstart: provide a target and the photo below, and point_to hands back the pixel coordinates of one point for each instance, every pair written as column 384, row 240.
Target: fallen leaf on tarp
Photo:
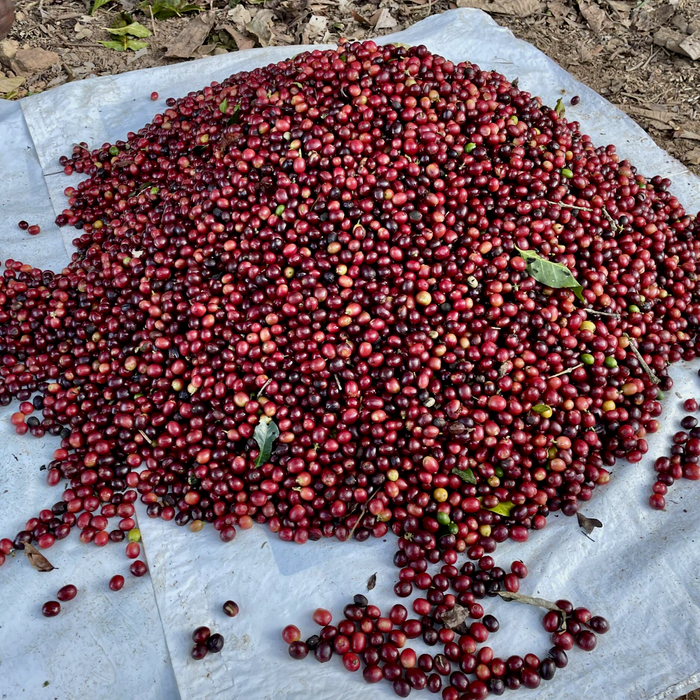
column 243, row 43
column 8, row 85
column 594, row 15
column 260, row 26
column 372, row 582
column 454, row 617
column 37, row 559
column 588, row 524
column 195, row 33
column 382, row 19
column 514, row 8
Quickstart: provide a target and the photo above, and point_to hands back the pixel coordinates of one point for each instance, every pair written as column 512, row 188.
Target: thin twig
column 153, row 21
column 642, row 361
column 605, row 212
column 264, row 386
column 603, row 313
column 528, row 600
column 361, row 515
column 566, row 371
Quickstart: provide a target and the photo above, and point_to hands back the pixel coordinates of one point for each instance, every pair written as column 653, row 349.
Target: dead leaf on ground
column 672, row 40
column 588, row 524
column 37, row 559
column 594, row 15
column 372, row 582
column 663, row 118
column 360, row 19
column 692, row 157
column 558, row 9
column 514, row 8
column 648, row 18
column 314, row 30
column 260, row 26
column 686, row 134
column 624, row 8
column 195, row 33
column 8, row 85
column 243, row 43
column 382, row 19
column 240, row 16
column 691, row 46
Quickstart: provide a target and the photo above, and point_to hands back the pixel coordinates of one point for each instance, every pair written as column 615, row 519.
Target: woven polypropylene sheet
column 641, row 570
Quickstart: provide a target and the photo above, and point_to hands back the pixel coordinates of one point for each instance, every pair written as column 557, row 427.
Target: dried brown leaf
column 648, row 17
column 195, row 33
column 37, row 559
column 260, row 26
column 594, row 15
column 8, row 85
column 558, row 9
column 243, row 43
column 455, row 617
column 691, row 46
column 372, row 581
column 513, row 8
column 692, row 157
column 528, row 600
column 686, row 134
column 382, row 19
column 360, row 19
column 670, row 39
column 588, row 524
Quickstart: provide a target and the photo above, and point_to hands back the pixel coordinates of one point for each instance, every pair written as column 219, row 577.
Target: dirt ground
column 637, row 53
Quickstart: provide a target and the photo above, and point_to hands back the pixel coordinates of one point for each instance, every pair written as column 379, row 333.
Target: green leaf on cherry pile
column 551, row 274
column 224, row 105
column 465, row 475
column 559, row 107
column 541, row 408
column 503, row 508
column 266, row 432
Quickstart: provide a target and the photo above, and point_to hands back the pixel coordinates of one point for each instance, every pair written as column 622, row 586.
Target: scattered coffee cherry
column 199, row 651
column 575, row 100
column 138, row 568
column 230, row 608
column 291, row 634
column 34, row 230
column 154, row 96
column 67, row 593
column 298, row 650
column 215, row 643
column 201, row 634
column 116, row 583
column 322, row 617
column 51, row 608
column 23, row 225
column 690, row 405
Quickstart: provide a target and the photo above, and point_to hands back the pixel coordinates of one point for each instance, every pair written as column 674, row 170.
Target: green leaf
column 224, row 105
column 165, row 9
column 235, row 117
column 266, row 432
column 133, row 29
column 98, row 4
column 470, row 147
column 113, row 44
column 503, row 508
column 136, row 45
column 542, row 409
column 465, row 475
column 559, row 108
column 551, row 274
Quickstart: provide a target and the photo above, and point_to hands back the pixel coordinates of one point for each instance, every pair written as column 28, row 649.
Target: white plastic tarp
column 641, row 570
